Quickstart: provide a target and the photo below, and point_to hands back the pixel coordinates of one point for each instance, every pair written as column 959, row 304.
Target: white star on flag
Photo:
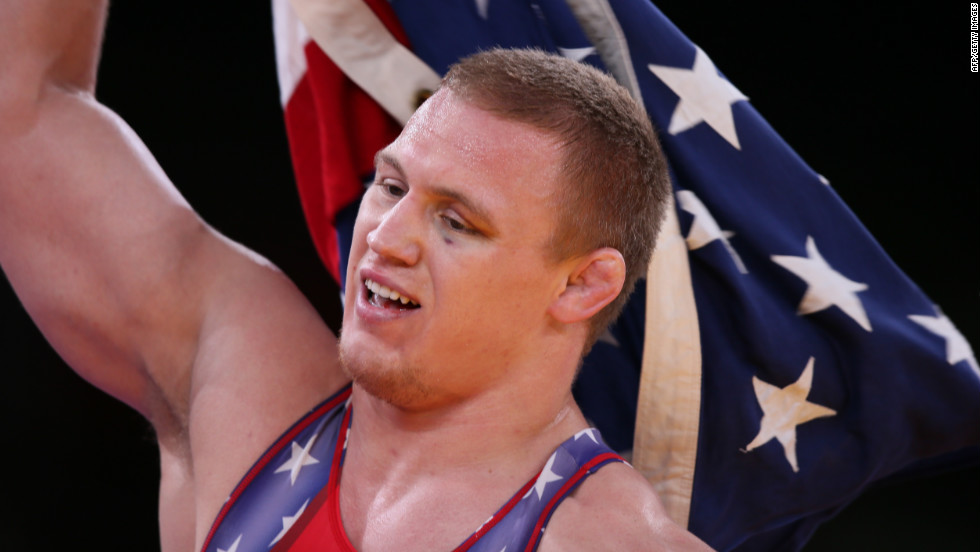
column 826, row 286
column 547, row 476
column 590, row 433
column 704, row 96
column 234, row 545
column 576, row 54
column 299, row 457
column 705, row 229
column 957, row 349
column 783, row 410
column 287, row 523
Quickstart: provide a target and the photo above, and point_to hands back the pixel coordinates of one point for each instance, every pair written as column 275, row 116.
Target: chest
column 300, row 496
column 433, row 515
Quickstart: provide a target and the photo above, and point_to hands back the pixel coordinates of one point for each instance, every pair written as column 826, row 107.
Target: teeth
column 388, row 293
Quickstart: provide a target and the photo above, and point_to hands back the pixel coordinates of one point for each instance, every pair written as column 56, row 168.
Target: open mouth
column 381, row 296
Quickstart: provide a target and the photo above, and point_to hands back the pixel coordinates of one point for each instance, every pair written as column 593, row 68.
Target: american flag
column 782, row 361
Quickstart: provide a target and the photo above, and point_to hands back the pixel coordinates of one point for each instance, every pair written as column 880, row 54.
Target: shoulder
column 615, row 509
column 263, row 359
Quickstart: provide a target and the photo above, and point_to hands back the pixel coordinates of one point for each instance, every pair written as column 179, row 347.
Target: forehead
column 450, row 143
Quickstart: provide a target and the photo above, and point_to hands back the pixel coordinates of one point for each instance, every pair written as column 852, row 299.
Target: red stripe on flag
column 334, row 130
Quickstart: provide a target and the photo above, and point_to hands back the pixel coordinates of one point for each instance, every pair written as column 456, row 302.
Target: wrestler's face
column 457, row 223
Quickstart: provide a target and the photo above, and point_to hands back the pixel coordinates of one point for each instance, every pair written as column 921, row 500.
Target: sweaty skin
column 221, row 353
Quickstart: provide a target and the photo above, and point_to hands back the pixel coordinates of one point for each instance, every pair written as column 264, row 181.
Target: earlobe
column 595, row 281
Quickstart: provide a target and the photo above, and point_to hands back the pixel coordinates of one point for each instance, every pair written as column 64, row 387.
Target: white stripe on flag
column 291, row 39
column 357, row 41
column 668, row 411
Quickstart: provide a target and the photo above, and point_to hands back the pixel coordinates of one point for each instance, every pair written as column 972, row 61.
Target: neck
column 490, row 430
column 405, row 467
column 515, row 420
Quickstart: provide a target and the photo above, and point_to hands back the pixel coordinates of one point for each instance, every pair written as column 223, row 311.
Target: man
column 470, row 299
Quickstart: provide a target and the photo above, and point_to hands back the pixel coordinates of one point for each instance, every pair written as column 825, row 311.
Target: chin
column 388, row 380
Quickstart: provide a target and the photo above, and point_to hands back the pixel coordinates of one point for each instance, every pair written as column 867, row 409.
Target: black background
column 880, row 100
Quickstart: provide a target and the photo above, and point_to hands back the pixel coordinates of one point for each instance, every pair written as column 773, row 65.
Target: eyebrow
column 384, row 156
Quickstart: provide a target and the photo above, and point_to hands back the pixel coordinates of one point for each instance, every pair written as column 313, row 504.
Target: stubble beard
column 391, row 382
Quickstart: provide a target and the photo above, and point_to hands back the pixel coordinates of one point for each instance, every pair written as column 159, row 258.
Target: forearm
column 45, row 43
column 91, row 230
column 90, row 238
column 55, row 41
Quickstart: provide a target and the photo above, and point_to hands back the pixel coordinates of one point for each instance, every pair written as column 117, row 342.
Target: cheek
column 349, row 278
column 356, row 253
column 500, row 294
column 363, row 225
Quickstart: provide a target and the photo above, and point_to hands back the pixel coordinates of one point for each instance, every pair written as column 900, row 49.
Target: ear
column 596, row 279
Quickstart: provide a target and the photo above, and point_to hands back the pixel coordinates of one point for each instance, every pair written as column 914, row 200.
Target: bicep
column 141, row 297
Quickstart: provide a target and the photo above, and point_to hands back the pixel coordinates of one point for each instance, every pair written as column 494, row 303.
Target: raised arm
column 134, row 291
column 78, row 196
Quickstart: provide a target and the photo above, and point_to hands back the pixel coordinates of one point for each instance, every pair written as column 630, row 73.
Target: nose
column 395, row 238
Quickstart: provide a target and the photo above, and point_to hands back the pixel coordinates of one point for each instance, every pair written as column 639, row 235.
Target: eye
column 457, row 225
column 392, row 188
